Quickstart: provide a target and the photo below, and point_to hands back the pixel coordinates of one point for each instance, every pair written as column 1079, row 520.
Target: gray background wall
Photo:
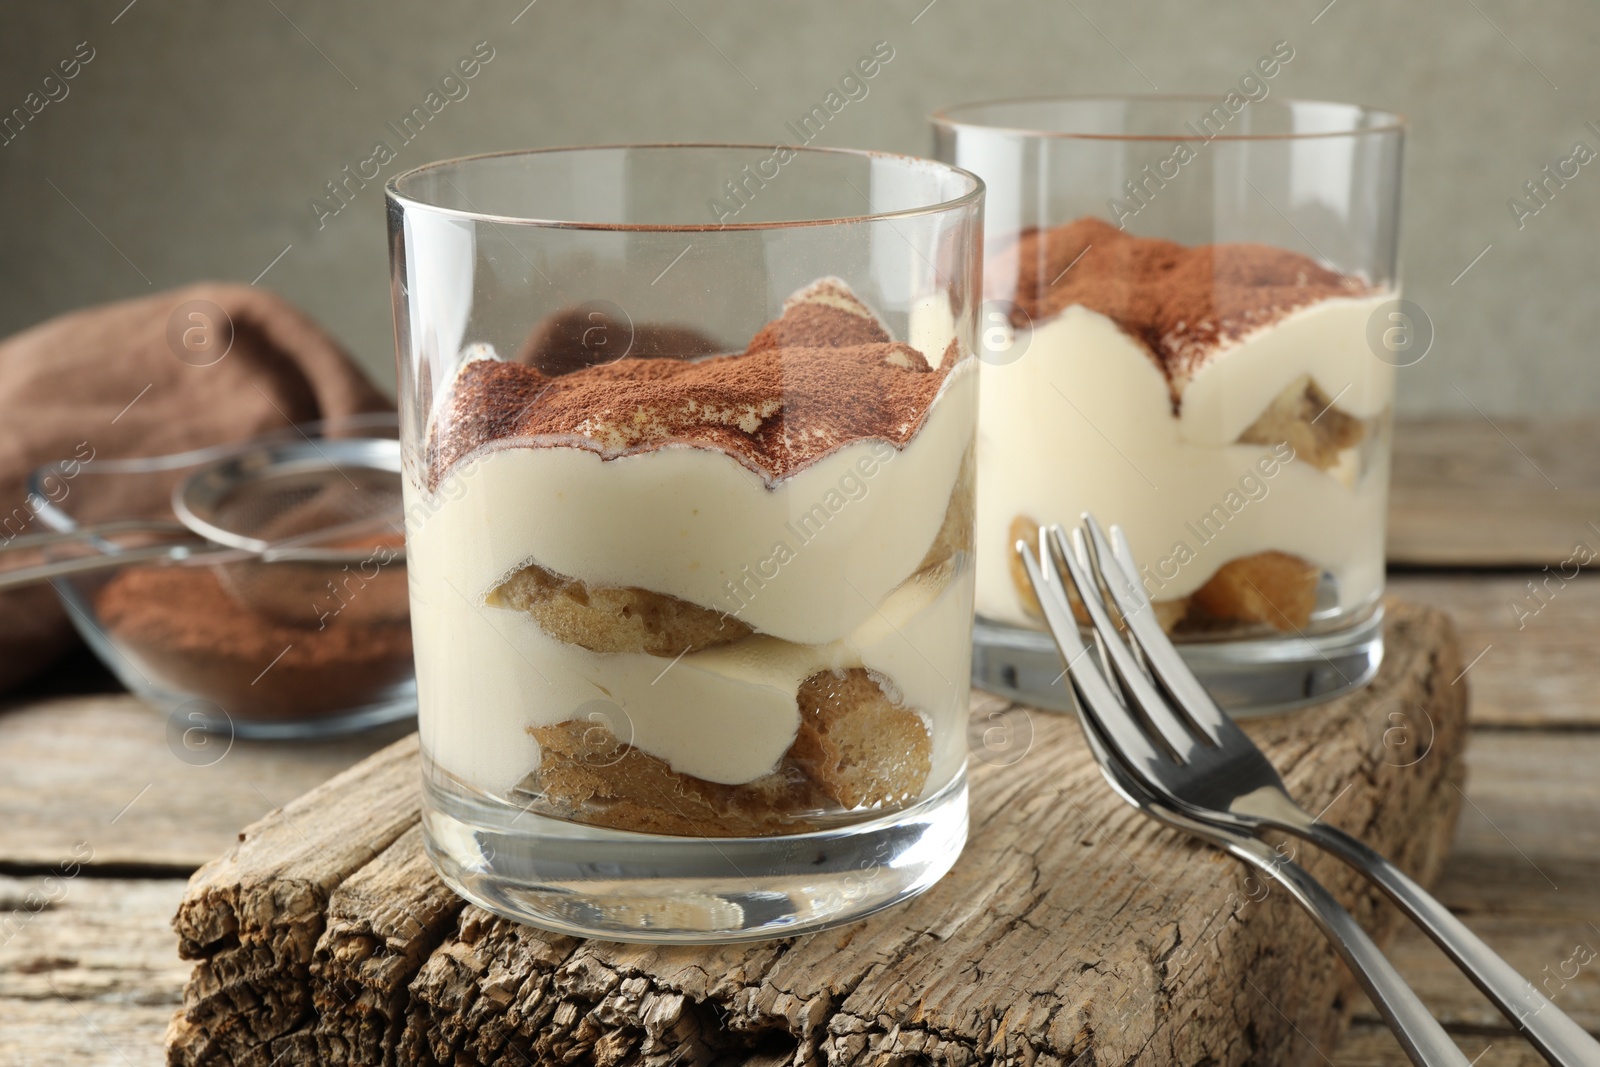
column 190, row 145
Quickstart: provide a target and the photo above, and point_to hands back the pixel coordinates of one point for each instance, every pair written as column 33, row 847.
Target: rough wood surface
column 1369, row 1043
column 88, row 970
column 382, row 924
column 87, row 938
column 1533, row 659
column 1512, row 493
column 1530, row 891
column 105, row 770
column 253, row 916
column 1525, row 874
column 58, row 1033
column 1071, row 925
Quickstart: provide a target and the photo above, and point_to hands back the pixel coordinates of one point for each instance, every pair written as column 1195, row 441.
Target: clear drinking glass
column 1191, row 329
column 688, row 440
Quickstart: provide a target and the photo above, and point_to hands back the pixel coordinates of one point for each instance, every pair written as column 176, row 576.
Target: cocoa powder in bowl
column 186, row 630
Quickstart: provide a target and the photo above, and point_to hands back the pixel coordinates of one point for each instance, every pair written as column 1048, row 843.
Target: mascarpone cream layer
column 485, row 675
column 807, row 559
column 1083, row 421
column 817, row 563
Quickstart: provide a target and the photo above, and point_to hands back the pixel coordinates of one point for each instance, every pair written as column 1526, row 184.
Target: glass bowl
column 248, row 648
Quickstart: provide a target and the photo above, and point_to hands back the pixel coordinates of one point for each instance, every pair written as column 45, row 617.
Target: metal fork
column 1419, row 1034
column 1150, row 710
column 1422, row 1038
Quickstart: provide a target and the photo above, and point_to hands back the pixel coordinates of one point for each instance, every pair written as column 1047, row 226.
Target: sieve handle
column 86, row 533
column 87, row 564
column 101, row 560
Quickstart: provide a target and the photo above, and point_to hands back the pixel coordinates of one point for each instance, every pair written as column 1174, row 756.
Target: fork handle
column 1558, row 1039
column 1419, row 1034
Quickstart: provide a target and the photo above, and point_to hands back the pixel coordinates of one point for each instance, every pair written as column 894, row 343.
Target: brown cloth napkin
column 197, row 366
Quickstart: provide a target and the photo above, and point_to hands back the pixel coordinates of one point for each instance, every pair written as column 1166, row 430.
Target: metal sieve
column 280, row 515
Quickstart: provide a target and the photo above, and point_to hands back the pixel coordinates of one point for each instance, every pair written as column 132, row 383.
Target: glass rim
column 1392, row 122
column 973, row 194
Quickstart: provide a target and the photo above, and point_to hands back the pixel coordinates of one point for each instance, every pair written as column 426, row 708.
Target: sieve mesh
column 302, row 498
column 318, row 506
column 321, row 523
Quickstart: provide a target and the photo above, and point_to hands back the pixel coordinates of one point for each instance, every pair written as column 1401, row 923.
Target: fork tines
column 1140, row 694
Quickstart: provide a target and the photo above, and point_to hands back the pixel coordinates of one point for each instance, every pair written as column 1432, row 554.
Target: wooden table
column 103, row 820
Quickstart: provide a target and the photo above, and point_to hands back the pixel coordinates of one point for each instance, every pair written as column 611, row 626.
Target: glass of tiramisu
column 1191, row 328
column 688, row 435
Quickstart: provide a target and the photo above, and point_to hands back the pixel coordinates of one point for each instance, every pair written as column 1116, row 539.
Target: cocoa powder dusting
column 185, row 628
column 1182, row 303
column 821, row 376
column 818, row 326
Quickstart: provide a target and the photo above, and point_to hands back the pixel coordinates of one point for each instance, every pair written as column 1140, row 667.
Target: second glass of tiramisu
column 688, row 439
column 1191, row 329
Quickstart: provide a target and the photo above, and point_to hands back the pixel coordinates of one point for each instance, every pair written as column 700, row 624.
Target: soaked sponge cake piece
column 1270, row 588
column 858, row 743
column 614, row 618
column 857, row 748
column 1305, row 417
column 588, row 774
column 955, row 532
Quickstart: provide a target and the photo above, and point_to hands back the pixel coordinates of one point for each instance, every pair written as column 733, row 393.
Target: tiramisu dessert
column 1220, row 402
column 709, row 595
